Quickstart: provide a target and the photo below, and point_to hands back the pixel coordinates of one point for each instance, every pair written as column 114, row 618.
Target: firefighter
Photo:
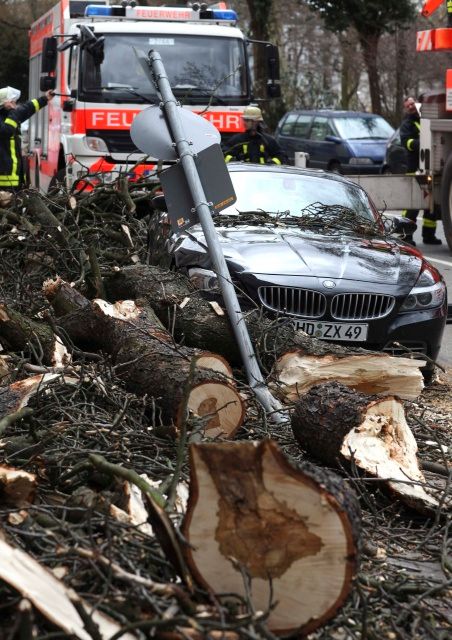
column 409, row 135
column 253, row 145
column 12, row 176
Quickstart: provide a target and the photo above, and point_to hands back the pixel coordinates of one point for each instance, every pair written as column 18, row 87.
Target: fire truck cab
column 91, row 54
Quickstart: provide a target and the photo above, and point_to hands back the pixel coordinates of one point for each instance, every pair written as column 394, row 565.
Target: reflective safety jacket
column 409, row 136
column 11, row 167
column 254, row 147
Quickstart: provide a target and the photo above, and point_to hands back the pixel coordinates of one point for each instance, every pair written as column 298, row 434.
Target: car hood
column 374, row 149
column 272, row 251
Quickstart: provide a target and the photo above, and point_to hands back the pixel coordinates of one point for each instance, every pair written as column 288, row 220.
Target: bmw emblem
column 329, row 284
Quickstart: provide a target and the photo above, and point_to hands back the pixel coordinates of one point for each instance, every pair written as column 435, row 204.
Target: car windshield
column 289, row 194
column 363, row 128
column 197, row 66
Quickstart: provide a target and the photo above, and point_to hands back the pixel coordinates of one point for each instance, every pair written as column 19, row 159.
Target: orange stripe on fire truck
column 83, row 120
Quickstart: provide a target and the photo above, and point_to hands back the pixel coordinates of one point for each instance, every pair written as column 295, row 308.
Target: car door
column 300, row 134
column 321, row 151
column 284, row 135
column 294, row 134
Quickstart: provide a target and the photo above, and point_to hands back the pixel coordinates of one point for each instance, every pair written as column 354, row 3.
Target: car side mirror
column 334, row 139
column 159, row 203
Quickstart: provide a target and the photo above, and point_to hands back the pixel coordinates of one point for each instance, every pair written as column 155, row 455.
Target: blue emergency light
column 222, row 14
column 96, row 10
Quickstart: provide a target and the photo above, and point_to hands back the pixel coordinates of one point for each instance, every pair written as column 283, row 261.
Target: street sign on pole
column 151, row 135
column 215, row 180
column 185, row 153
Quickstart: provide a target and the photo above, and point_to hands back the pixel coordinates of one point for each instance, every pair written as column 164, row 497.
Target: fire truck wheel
column 446, row 200
column 58, row 182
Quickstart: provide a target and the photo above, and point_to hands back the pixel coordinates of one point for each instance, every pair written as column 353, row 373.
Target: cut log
column 292, row 530
column 18, row 331
column 297, row 371
column 180, row 307
column 17, row 487
column 151, row 363
column 336, row 424
column 50, row 596
column 190, row 315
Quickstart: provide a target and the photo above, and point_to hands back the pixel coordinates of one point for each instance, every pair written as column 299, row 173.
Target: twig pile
column 330, row 219
column 89, row 441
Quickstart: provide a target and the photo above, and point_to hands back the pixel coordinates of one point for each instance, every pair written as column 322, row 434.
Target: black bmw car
column 311, row 246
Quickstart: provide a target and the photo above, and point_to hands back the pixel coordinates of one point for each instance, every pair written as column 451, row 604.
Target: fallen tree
column 150, row 362
column 297, row 361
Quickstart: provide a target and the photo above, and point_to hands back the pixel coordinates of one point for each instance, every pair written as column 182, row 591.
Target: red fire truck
column 91, row 54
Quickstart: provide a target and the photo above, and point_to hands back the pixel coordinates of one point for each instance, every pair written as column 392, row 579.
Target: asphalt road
column 441, row 257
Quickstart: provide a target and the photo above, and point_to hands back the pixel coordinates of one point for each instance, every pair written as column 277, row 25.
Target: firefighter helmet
column 9, row 94
column 252, row 113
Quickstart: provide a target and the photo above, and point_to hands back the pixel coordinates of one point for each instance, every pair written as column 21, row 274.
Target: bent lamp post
column 186, row 155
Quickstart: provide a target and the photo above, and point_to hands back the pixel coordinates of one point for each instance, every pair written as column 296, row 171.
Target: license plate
column 334, row 330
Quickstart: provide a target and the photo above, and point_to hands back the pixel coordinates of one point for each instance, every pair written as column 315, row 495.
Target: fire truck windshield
column 197, row 66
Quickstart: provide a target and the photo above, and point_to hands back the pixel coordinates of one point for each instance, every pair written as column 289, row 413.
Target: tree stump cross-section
column 252, row 513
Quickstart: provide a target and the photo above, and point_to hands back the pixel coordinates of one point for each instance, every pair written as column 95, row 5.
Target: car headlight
column 203, row 279
column 429, row 291
column 360, row 161
column 96, row 144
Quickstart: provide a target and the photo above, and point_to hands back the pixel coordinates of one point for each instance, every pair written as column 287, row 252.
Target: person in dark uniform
column 12, row 176
column 253, row 145
column 409, row 136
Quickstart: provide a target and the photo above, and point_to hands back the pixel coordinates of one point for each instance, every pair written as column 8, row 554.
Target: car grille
column 299, row 302
column 313, row 304
column 361, row 306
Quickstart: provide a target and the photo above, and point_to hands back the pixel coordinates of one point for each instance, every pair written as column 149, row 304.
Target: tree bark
column 369, row 45
column 337, row 425
column 292, row 530
column 22, row 333
column 260, row 14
